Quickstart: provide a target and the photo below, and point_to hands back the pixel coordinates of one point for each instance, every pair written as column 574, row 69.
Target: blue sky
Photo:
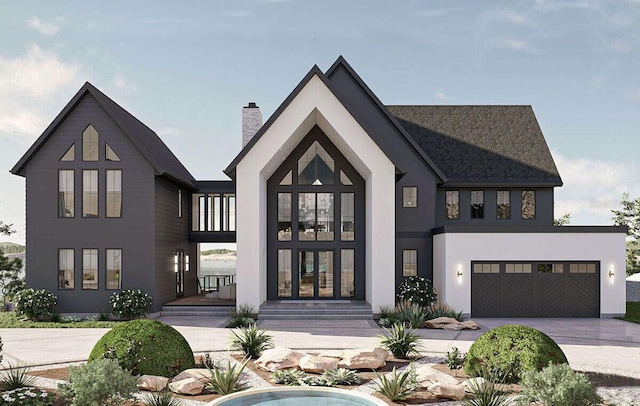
column 186, row 68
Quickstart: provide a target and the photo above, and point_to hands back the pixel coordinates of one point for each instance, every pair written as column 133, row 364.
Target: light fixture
column 175, row 263
column 459, row 273
column 611, row 273
column 186, row 263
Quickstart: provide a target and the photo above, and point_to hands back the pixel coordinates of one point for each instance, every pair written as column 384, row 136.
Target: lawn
column 10, row 320
column 633, row 312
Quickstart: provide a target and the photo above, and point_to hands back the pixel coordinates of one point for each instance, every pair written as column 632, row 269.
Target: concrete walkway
column 603, row 345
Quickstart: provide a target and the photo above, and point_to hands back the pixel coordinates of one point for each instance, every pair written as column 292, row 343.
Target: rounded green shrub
column 145, row 347
column 37, row 305
column 418, row 290
column 507, row 352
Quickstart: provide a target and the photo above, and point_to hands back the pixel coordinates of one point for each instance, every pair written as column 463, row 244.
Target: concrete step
column 216, row 311
column 317, row 310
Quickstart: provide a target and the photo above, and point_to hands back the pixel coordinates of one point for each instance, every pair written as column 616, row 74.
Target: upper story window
column 410, row 196
column 90, row 144
column 477, row 204
column 180, row 203
column 114, row 193
column 110, row 155
column 503, row 204
column 315, row 166
column 69, row 156
column 90, row 193
column 66, row 194
column 452, row 204
column 528, row 204
column 213, row 212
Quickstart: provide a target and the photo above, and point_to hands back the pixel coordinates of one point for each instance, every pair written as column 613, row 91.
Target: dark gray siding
column 171, row 234
column 46, row 233
column 413, row 225
column 544, row 208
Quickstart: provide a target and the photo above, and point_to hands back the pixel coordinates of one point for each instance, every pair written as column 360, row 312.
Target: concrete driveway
column 603, row 345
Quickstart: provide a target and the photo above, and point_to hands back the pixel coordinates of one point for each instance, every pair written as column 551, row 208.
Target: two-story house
column 337, row 197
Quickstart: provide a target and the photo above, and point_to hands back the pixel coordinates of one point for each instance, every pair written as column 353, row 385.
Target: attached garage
column 535, row 289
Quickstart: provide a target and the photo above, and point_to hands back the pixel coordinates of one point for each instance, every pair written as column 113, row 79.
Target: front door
column 315, row 274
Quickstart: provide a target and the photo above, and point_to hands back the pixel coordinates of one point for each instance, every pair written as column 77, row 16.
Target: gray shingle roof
column 483, row 145
column 144, row 138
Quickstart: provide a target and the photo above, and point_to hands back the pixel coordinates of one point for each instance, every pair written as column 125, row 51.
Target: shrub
column 559, row 385
column 411, row 314
column 454, row 359
column 416, row 289
column 440, row 309
column 130, row 304
column 290, row 376
column 341, row 376
column 401, row 341
column 16, row 377
column 102, row 382
column 398, row 385
column 509, row 351
column 145, row 347
column 227, row 380
column 244, row 316
column 164, row 398
column 27, row 397
column 251, row 341
column 486, row 393
column 37, row 305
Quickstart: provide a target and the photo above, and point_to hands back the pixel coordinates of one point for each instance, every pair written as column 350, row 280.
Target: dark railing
column 212, row 283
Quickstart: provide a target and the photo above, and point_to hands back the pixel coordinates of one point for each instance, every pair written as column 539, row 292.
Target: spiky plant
column 16, row 377
column 401, row 341
column 290, row 376
column 341, row 376
column 441, row 309
column 397, row 385
column 251, row 341
column 411, row 314
column 164, row 398
column 486, row 393
column 227, row 380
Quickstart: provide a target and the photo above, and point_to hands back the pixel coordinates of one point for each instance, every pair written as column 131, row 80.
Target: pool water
column 298, row 397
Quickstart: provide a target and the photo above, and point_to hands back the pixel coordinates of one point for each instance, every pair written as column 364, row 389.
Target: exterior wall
column 454, row 252
column 46, row 233
column 544, row 208
column 315, row 104
column 171, row 234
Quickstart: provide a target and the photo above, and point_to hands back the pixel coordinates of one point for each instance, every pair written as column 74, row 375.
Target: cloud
column 509, row 17
column 42, row 27
column 515, row 45
column 170, row 132
column 27, row 84
column 621, row 46
column 592, row 187
column 441, row 96
column 124, row 87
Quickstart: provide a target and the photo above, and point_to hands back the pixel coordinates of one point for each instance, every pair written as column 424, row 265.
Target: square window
column 410, row 196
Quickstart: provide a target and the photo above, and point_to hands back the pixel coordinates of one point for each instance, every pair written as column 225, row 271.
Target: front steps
column 202, row 311
column 315, row 310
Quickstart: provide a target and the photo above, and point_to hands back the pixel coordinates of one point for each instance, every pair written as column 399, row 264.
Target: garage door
column 535, row 289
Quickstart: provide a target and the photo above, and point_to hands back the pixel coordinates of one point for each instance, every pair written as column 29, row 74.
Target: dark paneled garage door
column 535, row 289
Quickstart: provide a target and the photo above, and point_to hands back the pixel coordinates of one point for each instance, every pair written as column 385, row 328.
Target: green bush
column 37, row 305
column 559, row 385
column 146, row 347
column 401, row 340
column 130, row 304
column 102, row 382
column 418, row 290
column 251, row 341
column 509, row 351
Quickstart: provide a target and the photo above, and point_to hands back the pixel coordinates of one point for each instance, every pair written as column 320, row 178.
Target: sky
column 186, row 69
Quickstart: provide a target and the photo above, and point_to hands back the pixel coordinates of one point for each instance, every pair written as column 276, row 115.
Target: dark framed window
column 503, row 204
column 409, row 196
column 229, row 215
column 409, row 262
column 179, row 203
column 114, row 268
column 90, row 144
column 90, row 269
column 66, row 195
column 528, row 204
column 69, row 156
column 114, row 193
column 198, row 212
column 90, row 193
column 66, row 269
column 477, row 204
column 347, row 273
column 316, row 167
column 284, row 273
column 284, row 217
column 452, row 204
column 347, row 217
column 110, row 155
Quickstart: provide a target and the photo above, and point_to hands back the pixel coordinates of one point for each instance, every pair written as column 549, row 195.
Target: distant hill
column 220, row 251
column 12, row 248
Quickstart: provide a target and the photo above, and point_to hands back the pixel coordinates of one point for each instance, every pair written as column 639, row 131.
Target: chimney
column 251, row 122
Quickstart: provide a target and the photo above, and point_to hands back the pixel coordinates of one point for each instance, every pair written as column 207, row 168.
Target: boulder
column 189, row 386
column 364, row 358
column 477, row 382
column 152, row 383
column 317, row 364
column 445, row 391
column 201, row 374
column 428, row 376
column 278, row 358
column 470, row 325
column 440, row 322
column 453, row 326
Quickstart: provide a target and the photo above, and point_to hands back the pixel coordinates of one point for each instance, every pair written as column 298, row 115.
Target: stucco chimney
column 251, row 122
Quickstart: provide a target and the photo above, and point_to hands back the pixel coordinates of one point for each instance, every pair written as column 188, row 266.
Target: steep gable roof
column 482, row 145
column 144, row 138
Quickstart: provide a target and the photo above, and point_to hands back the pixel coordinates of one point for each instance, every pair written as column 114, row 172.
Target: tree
column 629, row 215
column 5, row 229
column 10, row 280
column 562, row 221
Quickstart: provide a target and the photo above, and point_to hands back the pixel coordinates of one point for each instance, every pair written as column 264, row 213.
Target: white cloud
column 42, row 27
column 621, row 46
column 27, row 83
column 441, row 96
column 592, row 188
column 123, row 86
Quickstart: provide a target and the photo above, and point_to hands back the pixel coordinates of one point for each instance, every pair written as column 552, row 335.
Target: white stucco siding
column 454, row 252
column 315, row 104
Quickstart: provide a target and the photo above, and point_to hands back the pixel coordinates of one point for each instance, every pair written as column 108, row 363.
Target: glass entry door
column 315, row 274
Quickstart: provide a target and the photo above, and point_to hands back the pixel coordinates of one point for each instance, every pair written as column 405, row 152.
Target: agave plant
column 397, row 385
column 441, row 309
column 164, row 398
column 227, row 380
column 16, row 377
column 401, row 341
column 411, row 313
column 486, row 393
column 341, row 376
column 251, row 341
column 290, row 376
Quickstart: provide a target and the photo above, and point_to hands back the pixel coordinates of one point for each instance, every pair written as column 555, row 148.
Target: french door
column 315, row 274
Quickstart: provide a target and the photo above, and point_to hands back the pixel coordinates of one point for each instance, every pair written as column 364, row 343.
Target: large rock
column 189, row 386
column 317, row 364
column 364, row 358
column 278, row 358
column 201, row 374
column 444, row 391
column 470, row 324
column 441, row 385
column 152, row 383
column 440, row 322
